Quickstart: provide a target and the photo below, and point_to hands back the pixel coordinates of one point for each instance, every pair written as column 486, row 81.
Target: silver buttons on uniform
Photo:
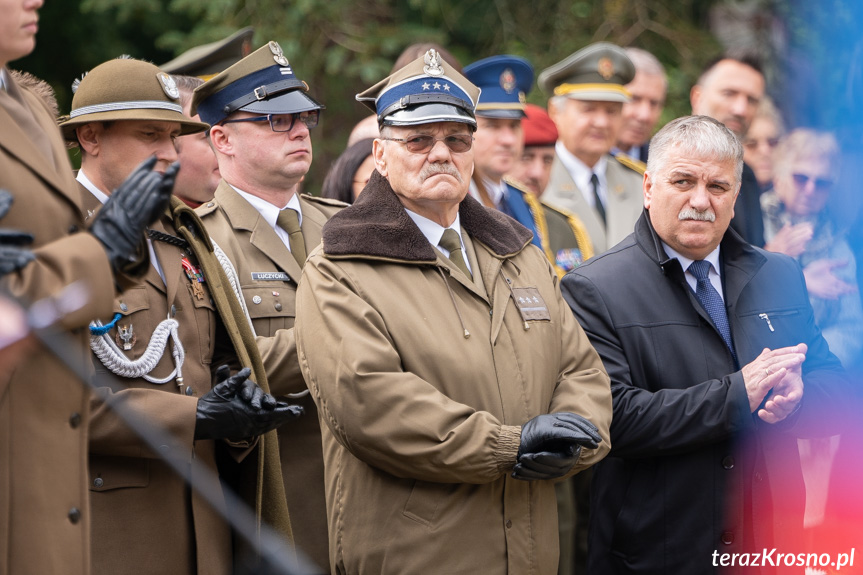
column 256, row 299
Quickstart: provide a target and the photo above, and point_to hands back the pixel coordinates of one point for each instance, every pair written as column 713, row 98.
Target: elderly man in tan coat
column 451, row 380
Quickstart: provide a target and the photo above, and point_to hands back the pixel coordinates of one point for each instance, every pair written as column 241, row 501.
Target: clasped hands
column 237, row 408
column 551, row 443
column 778, row 376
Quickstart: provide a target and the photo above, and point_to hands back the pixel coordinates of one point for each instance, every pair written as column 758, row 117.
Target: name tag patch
column 531, row 304
column 270, row 277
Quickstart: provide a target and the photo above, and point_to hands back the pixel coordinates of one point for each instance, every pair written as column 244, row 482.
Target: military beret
column 126, row 89
column 597, row 72
column 263, row 82
column 426, row 90
column 207, row 60
column 538, row 128
column 504, row 81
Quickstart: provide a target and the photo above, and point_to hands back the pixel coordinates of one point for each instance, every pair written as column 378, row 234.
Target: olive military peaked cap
column 262, row 82
column 425, row 91
column 207, row 60
column 504, row 81
column 126, row 89
column 597, row 72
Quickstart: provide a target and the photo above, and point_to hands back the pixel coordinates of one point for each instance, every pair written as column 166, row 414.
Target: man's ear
column 378, row 155
column 695, row 98
column 90, row 138
column 647, row 188
column 220, row 140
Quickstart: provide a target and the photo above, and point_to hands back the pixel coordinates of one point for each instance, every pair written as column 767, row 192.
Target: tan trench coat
column 145, row 518
column 44, row 515
column 257, row 253
column 421, row 423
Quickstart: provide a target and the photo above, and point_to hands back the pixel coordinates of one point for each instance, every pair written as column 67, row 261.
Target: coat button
column 509, row 523
column 73, row 229
column 278, row 306
column 727, row 538
column 74, row 515
column 257, row 299
column 98, row 482
column 124, row 307
column 728, row 462
column 190, row 391
column 75, row 420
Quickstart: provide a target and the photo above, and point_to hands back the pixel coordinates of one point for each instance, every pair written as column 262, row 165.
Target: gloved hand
column 236, row 408
column 12, row 254
column 139, row 200
column 551, row 443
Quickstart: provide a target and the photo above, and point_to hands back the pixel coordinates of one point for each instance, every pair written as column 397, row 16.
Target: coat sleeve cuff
column 507, row 449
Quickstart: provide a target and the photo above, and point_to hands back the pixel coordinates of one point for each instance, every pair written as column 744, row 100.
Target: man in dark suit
column 708, row 342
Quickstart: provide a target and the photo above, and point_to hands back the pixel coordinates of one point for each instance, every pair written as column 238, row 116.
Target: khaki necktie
column 452, row 243
column 289, row 221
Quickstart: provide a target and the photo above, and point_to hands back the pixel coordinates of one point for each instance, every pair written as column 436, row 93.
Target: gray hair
column 646, row 63
column 802, row 144
column 696, row 137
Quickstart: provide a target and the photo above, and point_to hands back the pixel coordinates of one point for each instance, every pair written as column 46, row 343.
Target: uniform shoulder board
column 324, row 201
column 631, row 163
column 517, row 185
column 207, row 208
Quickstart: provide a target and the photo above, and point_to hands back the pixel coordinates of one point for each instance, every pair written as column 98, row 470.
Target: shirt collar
column 433, row 231
column 685, row 262
column 268, row 211
column 580, row 171
column 85, row 181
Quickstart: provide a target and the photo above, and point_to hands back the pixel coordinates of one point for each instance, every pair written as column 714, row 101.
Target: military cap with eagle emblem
column 263, row 83
column 126, row 89
column 207, row 60
column 425, row 91
column 597, row 72
column 504, row 81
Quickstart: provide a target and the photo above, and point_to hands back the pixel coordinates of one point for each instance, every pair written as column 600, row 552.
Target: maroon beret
column 538, row 128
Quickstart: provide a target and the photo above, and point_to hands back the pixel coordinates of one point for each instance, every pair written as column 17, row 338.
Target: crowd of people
column 502, row 338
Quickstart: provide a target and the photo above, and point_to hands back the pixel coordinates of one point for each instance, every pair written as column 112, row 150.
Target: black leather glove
column 551, row 443
column 137, row 203
column 12, row 254
column 236, row 408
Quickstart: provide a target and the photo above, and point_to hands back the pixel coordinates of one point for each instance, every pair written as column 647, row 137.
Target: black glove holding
column 137, row 203
column 236, row 408
column 551, row 444
column 12, row 254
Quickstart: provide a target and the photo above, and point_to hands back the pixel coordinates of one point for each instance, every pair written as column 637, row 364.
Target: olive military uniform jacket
column 269, row 275
column 44, row 515
column 624, row 201
column 145, row 518
column 423, row 378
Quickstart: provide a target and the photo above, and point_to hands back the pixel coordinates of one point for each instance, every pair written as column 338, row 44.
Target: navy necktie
column 711, row 301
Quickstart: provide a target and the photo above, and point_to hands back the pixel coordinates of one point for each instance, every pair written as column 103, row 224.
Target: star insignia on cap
column 446, row 87
column 437, row 85
column 426, row 85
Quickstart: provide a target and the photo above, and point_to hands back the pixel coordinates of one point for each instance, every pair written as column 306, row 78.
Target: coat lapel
column 563, row 192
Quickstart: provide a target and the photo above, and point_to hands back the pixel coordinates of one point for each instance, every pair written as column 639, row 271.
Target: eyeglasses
column 821, row 184
column 284, row 122
column 752, row 144
column 422, row 144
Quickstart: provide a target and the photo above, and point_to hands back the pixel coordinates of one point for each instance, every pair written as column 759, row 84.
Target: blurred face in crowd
column 691, row 202
column 199, row 174
column 804, row 185
column 19, row 22
column 758, row 146
column 258, row 160
column 362, row 175
column 497, row 145
column 588, row 129
column 533, row 169
column 428, row 182
column 729, row 92
column 641, row 114
column 114, row 149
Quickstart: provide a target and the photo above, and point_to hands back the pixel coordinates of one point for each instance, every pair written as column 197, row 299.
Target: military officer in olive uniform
column 160, row 347
column 498, row 144
column 262, row 117
column 586, row 95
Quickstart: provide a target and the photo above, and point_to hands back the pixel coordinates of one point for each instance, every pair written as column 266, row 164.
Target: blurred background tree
column 340, row 47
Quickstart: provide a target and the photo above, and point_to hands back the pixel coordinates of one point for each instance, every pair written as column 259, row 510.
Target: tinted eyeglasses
column 284, row 122
column 422, row 143
column 821, row 184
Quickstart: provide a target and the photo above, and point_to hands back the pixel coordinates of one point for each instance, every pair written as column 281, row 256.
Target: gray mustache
column 693, row 214
column 433, row 169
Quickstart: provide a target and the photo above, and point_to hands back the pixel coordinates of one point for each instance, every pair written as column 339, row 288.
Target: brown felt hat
column 126, row 89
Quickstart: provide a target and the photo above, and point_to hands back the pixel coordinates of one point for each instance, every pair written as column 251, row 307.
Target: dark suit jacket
column 748, row 220
column 691, row 470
